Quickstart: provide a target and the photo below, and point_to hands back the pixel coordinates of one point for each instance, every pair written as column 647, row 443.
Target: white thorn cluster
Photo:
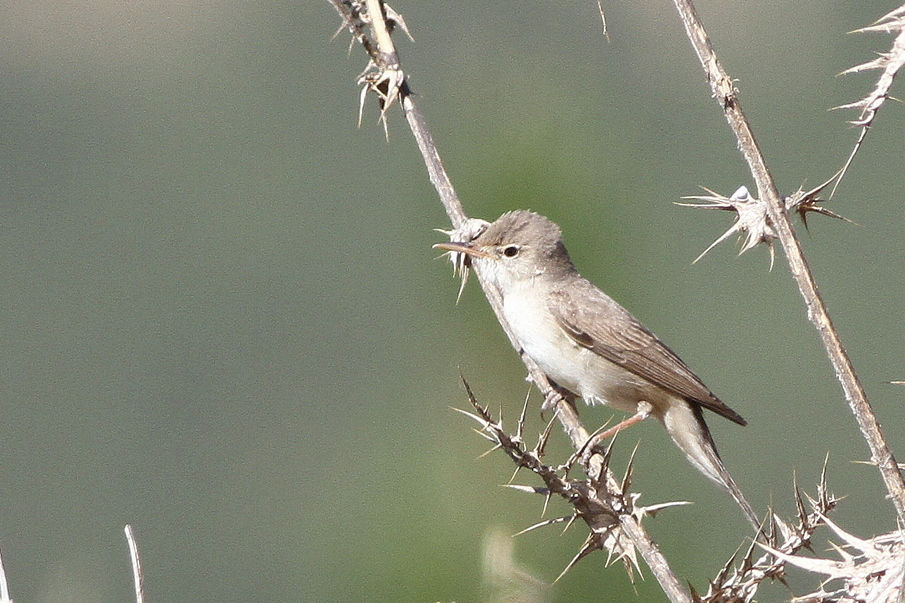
column 466, row 233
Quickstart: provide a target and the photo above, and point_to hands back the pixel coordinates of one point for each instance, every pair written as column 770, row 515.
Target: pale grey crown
column 535, row 241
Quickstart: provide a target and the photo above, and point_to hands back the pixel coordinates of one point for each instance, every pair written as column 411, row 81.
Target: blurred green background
column 222, row 320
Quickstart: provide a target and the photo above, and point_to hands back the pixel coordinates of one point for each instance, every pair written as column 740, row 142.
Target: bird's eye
column 510, row 251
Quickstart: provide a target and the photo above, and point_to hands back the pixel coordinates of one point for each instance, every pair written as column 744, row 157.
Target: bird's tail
column 685, row 425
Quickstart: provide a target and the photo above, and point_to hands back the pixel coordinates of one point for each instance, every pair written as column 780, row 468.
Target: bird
column 588, row 345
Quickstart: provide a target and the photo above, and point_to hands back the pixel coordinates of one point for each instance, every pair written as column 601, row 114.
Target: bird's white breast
column 576, row 368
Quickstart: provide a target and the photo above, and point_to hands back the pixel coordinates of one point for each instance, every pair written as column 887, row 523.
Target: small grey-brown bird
column 589, row 345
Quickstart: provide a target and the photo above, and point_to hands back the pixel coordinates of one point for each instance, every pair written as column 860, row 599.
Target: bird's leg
column 644, row 411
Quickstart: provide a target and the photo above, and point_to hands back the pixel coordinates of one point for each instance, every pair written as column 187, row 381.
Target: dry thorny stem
column 601, row 501
column 384, row 69
column 740, row 581
column 767, row 218
column 889, row 63
column 593, row 500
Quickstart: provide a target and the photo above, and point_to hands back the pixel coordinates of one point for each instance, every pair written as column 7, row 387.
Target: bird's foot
column 594, row 440
column 552, row 398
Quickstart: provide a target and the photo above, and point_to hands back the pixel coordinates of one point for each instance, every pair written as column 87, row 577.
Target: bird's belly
column 592, row 377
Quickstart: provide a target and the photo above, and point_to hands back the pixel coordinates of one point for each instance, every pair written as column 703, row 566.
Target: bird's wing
column 627, row 343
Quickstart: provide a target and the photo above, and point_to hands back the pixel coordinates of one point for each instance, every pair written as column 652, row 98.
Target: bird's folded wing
column 627, row 343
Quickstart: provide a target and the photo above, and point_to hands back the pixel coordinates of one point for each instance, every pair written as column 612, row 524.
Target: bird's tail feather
column 685, row 424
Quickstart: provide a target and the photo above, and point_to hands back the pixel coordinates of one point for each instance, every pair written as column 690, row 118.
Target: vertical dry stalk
column 726, row 95
column 4, row 588
column 138, row 577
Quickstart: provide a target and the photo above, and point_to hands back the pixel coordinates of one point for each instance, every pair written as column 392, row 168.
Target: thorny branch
column 383, row 70
column 593, row 502
column 874, row 571
column 601, row 502
column 780, row 225
column 889, row 63
column 738, row 582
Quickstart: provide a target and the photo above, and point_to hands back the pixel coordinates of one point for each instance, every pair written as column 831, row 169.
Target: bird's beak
column 465, row 248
